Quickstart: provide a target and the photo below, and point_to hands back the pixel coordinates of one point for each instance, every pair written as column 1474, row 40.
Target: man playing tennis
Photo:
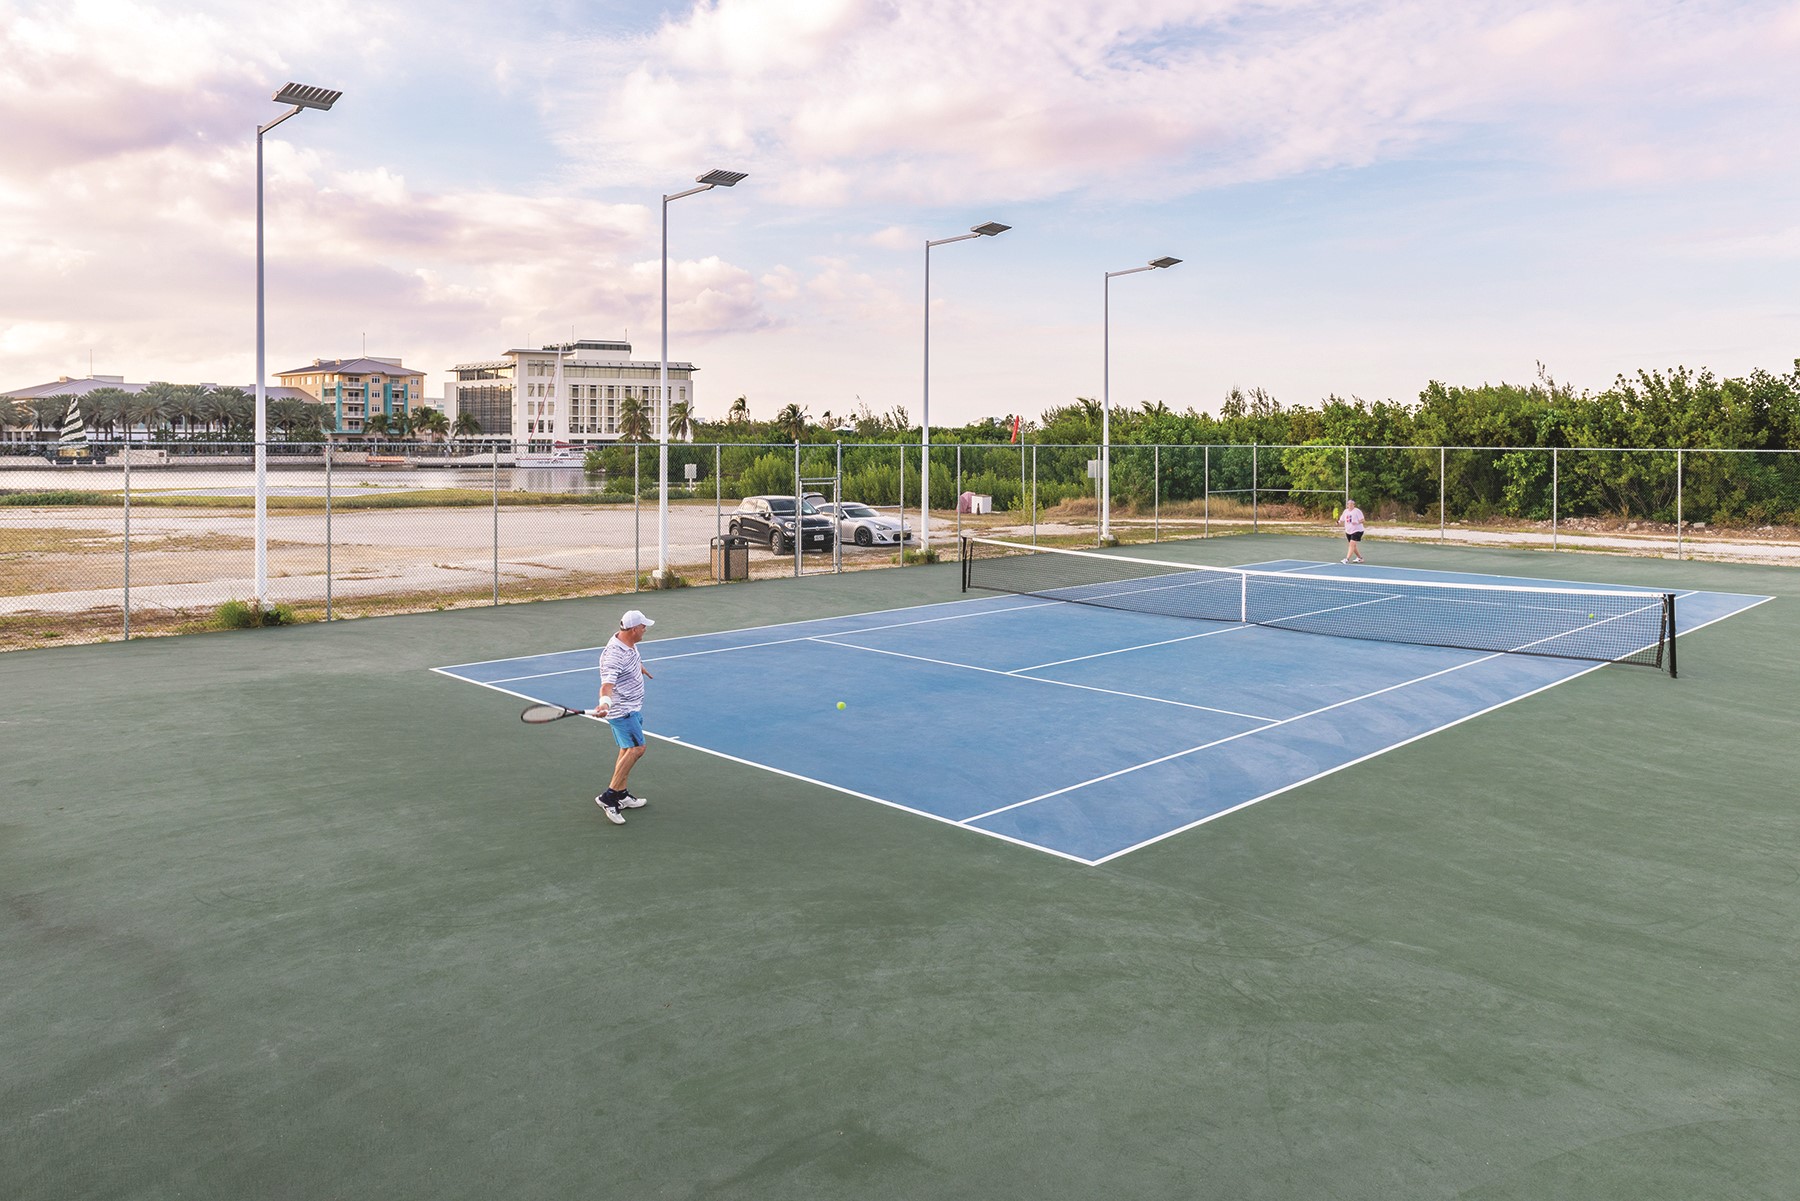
column 622, row 677
column 1352, row 521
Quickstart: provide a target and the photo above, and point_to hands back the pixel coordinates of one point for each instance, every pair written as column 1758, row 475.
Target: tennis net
column 1603, row 625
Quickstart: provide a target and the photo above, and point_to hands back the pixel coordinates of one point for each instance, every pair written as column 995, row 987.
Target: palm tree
column 377, row 425
column 681, row 420
column 103, row 408
column 634, row 420
column 431, row 423
column 290, row 416
column 153, row 407
column 233, row 408
column 739, row 413
column 10, row 413
column 467, row 426
column 145, row 408
column 47, row 414
column 792, row 422
column 186, row 403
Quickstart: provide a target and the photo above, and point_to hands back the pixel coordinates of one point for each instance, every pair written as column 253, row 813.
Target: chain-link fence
column 159, row 538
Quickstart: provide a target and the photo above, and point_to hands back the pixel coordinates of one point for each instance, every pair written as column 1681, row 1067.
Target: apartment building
column 354, row 390
column 569, row 392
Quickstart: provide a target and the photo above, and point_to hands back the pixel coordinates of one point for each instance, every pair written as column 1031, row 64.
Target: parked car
column 858, row 523
column 770, row 519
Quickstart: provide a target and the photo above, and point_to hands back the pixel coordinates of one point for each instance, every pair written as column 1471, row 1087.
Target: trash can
column 730, row 557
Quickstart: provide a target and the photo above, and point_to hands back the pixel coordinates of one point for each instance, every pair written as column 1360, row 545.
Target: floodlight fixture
column 1106, row 390
column 716, row 178
column 305, row 95
column 986, row 229
column 299, row 96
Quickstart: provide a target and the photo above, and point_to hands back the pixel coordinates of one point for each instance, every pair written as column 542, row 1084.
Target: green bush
column 248, row 615
column 59, row 498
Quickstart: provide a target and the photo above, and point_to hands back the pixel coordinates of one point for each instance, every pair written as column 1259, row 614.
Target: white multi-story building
column 571, row 393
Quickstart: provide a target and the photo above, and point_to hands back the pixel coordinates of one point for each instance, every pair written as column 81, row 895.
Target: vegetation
column 249, row 615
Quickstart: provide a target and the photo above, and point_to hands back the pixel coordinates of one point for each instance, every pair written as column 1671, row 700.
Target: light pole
column 707, row 182
column 987, row 229
column 297, row 96
column 1106, row 393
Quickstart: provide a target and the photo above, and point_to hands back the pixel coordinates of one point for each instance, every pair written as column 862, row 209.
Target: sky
column 1367, row 195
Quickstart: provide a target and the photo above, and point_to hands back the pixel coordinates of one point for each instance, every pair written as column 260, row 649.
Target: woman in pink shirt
column 1352, row 521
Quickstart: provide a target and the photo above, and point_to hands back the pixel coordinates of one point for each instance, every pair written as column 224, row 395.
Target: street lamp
column 987, row 229
column 297, row 96
column 1106, row 393
column 707, row 182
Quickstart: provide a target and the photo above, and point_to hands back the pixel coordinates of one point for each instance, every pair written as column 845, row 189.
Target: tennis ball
column 840, row 704
column 1590, row 617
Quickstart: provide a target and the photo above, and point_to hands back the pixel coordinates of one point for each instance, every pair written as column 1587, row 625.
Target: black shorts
column 1356, row 537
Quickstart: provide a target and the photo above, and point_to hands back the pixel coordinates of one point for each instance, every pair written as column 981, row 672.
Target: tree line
column 190, row 412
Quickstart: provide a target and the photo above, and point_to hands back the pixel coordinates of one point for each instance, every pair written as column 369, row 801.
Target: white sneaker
column 612, row 812
column 1343, row 560
column 632, row 802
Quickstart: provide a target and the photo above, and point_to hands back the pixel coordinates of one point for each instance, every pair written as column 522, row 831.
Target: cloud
column 855, row 102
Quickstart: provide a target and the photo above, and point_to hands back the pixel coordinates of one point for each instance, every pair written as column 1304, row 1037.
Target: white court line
column 449, row 672
column 1487, row 658
column 1125, row 650
column 1125, row 771
column 994, row 671
column 861, row 796
column 1392, row 747
column 774, row 625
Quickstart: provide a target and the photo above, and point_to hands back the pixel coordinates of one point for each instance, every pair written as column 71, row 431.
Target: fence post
column 327, row 529
column 959, row 492
column 1206, row 490
column 1156, row 492
column 1034, row 498
column 637, row 516
column 799, row 516
column 718, row 494
column 902, row 449
column 494, row 461
column 127, row 605
column 1255, row 528
column 1440, row 494
column 1555, row 493
column 1679, row 548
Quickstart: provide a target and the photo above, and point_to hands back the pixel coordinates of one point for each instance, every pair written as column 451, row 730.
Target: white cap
column 634, row 617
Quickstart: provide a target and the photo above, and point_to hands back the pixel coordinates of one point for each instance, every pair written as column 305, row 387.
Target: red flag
column 1016, row 421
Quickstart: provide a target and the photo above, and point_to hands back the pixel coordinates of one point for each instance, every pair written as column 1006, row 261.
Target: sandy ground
column 196, row 559
column 186, row 559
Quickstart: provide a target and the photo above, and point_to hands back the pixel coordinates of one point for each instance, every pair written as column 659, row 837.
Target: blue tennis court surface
column 1083, row 732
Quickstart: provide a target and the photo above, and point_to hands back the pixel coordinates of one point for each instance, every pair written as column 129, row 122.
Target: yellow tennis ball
column 840, row 704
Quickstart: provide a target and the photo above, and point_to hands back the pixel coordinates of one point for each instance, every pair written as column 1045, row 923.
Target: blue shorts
column 628, row 731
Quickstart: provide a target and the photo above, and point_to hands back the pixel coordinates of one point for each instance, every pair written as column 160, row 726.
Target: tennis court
column 1080, row 720
column 290, row 913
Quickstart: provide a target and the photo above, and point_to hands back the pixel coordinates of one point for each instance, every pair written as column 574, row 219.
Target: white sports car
column 862, row 525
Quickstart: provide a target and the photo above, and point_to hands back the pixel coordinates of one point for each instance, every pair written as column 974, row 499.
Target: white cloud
column 852, row 103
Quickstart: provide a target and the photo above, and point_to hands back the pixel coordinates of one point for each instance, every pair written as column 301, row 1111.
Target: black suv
column 771, row 519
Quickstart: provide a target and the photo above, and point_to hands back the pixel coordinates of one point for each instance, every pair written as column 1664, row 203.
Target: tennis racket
column 537, row 715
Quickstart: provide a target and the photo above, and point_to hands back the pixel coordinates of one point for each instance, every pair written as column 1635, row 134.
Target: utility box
column 730, row 557
column 975, row 502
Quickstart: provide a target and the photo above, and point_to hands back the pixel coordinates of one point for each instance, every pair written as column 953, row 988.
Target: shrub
column 248, row 615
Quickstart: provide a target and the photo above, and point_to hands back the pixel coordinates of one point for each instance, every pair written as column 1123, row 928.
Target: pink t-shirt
column 1352, row 520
